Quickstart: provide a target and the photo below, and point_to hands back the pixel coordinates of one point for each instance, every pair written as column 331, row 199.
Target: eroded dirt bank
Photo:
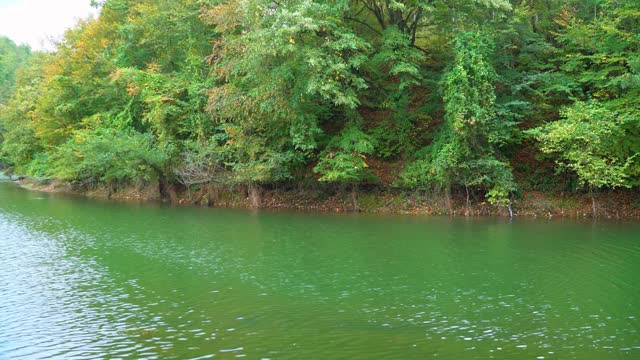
column 619, row 205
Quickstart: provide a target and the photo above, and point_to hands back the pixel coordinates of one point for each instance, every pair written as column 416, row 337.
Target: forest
column 480, row 99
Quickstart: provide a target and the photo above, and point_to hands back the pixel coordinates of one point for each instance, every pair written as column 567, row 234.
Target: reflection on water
column 86, row 279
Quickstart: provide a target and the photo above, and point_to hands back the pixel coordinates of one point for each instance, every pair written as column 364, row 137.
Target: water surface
column 88, row 279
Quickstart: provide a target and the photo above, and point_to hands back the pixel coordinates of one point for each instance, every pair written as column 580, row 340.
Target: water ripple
column 83, row 280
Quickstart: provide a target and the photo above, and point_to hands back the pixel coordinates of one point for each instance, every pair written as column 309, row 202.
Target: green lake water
column 83, row 279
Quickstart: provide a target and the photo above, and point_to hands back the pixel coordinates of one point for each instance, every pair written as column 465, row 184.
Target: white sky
column 34, row 22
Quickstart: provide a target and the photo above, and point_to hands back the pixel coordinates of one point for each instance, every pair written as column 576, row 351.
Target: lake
column 82, row 279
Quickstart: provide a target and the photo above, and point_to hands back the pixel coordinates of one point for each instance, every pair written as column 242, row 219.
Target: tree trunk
column 167, row 191
column 110, row 189
column 414, row 27
column 447, row 199
column 594, row 207
column 255, row 196
column 466, row 187
column 162, row 189
column 354, row 197
column 212, row 193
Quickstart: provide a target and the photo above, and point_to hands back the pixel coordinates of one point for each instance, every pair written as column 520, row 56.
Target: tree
column 596, row 143
column 201, row 165
column 18, row 141
column 12, row 57
column 404, row 16
column 344, row 160
column 288, row 66
column 109, row 157
column 466, row 149
column 599, row 70
column 395, row 70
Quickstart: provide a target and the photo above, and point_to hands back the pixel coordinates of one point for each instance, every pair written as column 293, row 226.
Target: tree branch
column 364, row 24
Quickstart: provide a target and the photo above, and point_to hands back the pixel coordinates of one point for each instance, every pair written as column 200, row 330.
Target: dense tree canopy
column 257, row 93
column 12, row 57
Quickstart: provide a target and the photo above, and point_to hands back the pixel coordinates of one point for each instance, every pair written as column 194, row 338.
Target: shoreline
column 612, row 205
